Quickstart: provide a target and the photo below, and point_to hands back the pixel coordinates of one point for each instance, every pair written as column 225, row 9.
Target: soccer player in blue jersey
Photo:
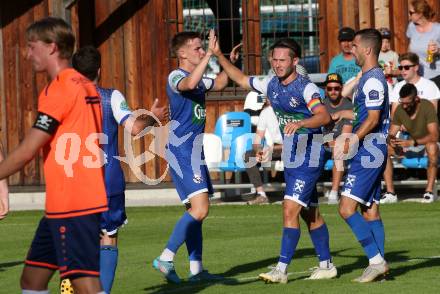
column 186, row 90
column 363, row 181
column 297, row 105
column 115, row 112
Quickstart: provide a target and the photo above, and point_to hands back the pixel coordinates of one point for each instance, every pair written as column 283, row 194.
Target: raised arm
column 192, row 80
column 221, row 81
column 233, row 72
column 136, row 125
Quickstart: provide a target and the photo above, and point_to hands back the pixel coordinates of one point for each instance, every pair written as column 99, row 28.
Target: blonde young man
column 69, row 118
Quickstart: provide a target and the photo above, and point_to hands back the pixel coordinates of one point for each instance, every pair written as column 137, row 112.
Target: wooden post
column 399, row 24
column 350, row 14
column 381, row 13
column 366, row 14
column 251, row 36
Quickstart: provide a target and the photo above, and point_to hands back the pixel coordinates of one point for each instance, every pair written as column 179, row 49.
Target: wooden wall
column 133, row 37
column 360, row 14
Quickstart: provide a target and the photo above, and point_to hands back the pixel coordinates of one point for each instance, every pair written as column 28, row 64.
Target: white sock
column 167, row 255
column 333, row 194
column 326, row 263
column 23, row 291
column 376, row 259
column 282, row 267
column 195, row 266
column 262, row 193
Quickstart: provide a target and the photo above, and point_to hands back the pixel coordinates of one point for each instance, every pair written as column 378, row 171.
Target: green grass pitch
column 242, row 241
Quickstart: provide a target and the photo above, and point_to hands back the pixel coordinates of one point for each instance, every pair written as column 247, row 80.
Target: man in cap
column 335, row 103
column 344, row 63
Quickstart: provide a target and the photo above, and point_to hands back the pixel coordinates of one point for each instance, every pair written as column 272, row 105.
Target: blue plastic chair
column 236, row 160
column 232, row 125
column 328, row 164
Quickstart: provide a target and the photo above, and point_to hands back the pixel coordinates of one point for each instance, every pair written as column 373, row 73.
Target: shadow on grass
column 186, row 287
column 4, row 266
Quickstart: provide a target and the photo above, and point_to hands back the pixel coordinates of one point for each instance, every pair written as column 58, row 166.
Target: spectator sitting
column 268, row 129
column 426, row 89
column 419, row 119
column 344, row 63
column 334, row 102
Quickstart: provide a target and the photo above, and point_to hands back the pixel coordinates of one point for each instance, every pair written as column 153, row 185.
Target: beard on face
column 411, row 109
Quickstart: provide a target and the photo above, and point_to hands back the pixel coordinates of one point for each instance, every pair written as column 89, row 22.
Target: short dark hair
column 295, row 49
column 408, row 90
column 53, row 30
column 181, row 39
column 414, row 58
column 372, row 38
column 87, row 61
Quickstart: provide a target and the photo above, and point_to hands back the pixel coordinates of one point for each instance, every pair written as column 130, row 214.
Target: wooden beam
column 251, row 36
column 382, row 13
column 399, row 24
column 350, row 14
column 366, row 14
column 323, row 36
column 332, row 29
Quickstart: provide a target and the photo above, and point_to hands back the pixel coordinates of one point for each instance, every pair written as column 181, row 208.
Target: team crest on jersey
column 197, row 179
column 294, row 102
column 349, row 182
column 274, row 95
column 299, row 186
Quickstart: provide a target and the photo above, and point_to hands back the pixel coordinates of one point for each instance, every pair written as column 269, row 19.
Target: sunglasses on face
column 337, row 88
column 411, row 102
column 405, row 67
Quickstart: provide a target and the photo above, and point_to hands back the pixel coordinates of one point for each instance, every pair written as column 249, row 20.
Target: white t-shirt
column 268, row 122
column 120, row 108
column 426, row 89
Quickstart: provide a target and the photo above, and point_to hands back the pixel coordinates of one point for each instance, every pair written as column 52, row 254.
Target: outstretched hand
column 233, row 57
column 161, row 112
column 213, row 44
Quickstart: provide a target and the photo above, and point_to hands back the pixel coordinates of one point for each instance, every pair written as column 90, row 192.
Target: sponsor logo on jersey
column 199, row 113
column 284, row 118
column 176, row 79
column 373, row 95
column 124, row 106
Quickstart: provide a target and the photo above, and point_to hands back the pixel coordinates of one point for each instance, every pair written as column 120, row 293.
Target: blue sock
column 363, row 234
column 288, row 244
column 194, row 241
column 107, row 264
column 377, row 228
column 180, row 232
column 320, row 239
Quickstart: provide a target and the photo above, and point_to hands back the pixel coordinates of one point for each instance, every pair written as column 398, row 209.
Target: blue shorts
column 70, row 245
column 301, row 181
column 189, row 180
column 363, row 180
column 114, row 217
